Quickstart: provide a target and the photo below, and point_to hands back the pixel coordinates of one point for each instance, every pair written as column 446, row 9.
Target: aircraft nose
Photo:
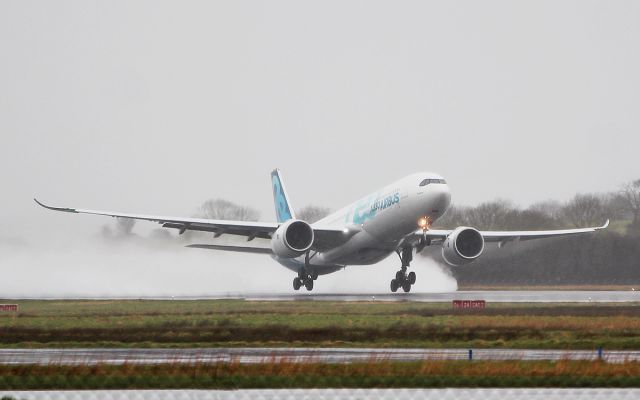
column 439, row 198
column 442, row 195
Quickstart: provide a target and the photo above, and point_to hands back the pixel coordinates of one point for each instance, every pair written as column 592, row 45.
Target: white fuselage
column 376, row 224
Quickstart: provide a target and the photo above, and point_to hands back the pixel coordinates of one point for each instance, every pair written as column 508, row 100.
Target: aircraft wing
column 325, row 238
column 244, row 228
column 503, row 237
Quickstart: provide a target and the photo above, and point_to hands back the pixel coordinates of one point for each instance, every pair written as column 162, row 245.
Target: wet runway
column 491, row 296
column 524, row 296
column 297, row 355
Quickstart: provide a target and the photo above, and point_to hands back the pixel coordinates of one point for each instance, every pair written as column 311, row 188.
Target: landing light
column 423, row 222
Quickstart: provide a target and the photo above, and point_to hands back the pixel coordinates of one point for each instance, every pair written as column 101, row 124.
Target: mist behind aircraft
column 93, row 266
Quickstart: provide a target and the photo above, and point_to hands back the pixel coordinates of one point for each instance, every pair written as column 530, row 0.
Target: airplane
column 395, row 219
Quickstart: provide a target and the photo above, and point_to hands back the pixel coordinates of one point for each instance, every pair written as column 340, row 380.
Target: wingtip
column 63, row 209
column 606, row 224
column 39, row 203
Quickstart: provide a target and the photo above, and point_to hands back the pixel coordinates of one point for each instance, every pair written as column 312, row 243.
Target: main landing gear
column 304, row 279
column 402, row 279
column 306, row 276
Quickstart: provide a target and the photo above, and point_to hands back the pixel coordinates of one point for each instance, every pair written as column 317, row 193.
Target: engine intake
column 292, row 239
column 462, row 246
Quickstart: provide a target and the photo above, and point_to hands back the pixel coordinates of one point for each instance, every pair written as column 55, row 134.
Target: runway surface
column 532, row 296
column 492, row 296
column 297, row 355
column 334, row 394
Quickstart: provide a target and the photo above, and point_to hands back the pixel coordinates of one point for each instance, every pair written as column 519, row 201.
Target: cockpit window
column 429, row 180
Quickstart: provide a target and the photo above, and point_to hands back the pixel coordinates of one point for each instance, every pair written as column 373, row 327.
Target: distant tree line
column 606, row 258
column 609, row 257
column 583, row 210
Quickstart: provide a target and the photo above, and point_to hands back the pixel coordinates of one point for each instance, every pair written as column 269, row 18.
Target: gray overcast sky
column 155, row 106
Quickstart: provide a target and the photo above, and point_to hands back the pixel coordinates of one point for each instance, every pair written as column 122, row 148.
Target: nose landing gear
column 402, row 279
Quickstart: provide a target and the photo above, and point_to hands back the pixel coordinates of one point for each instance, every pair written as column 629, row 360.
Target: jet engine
column 292, row 239
column 462, row 246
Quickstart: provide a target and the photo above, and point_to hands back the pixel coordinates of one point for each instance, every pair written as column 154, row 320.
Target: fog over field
column 157, row 106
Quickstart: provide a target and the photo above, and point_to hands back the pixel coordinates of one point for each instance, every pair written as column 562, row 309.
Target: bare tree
column 551, row 209
column 631, row 195
column 106, row 232
column 454, row 216
column 532, row 219
column 615, row 207
column 312, row 213
column 160, row 234
column 224, row 209
column 124, row 226
column 584, row 210
column 491, row 215
column 221, row 209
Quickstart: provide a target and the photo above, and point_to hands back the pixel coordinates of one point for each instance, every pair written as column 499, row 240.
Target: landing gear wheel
column 296, row 283
column 394, row 285
column 309, row 284
column 314, row 275
column 399, row 276
column 406, row 286
column 411, row 277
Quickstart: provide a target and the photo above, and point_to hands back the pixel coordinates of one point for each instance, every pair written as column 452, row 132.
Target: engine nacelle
column 462, row 246
column 292, row 239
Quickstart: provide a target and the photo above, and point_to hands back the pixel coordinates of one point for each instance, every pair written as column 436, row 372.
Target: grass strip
column 312, row 375
column 484, row 335
column 236, row 323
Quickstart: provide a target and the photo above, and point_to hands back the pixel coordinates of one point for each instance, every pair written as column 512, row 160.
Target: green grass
column 222, row 323
column 292, row 375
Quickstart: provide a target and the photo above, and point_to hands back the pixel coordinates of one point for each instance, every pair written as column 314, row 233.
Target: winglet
column 606, row 224
column 63, row 209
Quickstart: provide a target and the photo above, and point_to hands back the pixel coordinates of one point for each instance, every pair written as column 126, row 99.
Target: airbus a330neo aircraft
column 396, row 218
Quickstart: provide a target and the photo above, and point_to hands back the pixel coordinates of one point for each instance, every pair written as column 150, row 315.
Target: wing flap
column 239, row 249
column 220, row 229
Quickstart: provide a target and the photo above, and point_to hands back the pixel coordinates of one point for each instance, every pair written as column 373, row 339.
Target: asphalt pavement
column 297, row 355
column 492, row 296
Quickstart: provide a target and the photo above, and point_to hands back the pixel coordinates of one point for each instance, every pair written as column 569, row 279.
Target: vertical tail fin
column 284, row 211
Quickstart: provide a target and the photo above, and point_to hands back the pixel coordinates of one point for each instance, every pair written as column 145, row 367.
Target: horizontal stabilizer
column 240, row 249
